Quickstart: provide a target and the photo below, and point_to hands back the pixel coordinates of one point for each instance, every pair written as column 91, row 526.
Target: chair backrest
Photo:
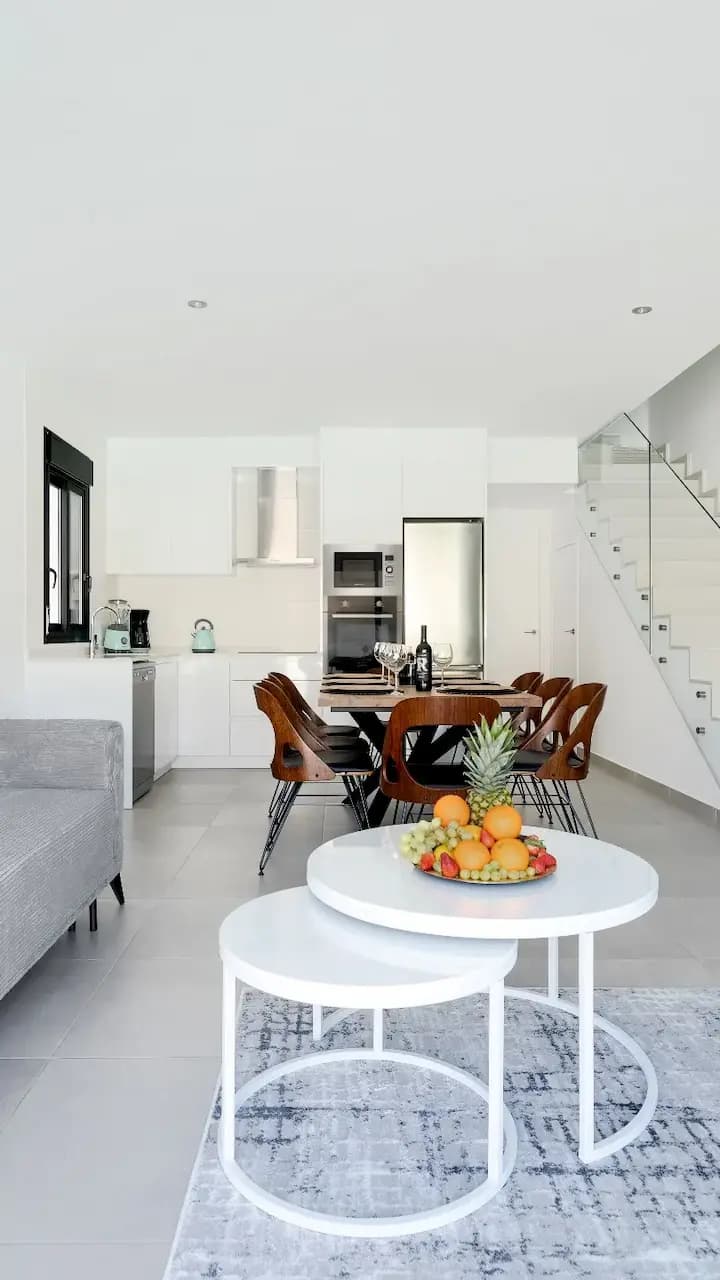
column 295, row 757
column 294, row 695
column 460, row 712
column 527, row 682
column 570, row 760
column 551, row 691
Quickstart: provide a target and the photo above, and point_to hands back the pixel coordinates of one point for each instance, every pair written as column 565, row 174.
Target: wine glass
column 443, row 656
column 398, row 658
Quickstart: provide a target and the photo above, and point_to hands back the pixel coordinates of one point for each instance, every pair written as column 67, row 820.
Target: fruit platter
column 480, row 840
column 451, row 847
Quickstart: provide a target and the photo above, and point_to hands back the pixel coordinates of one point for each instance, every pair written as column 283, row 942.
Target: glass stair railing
column 657, row 534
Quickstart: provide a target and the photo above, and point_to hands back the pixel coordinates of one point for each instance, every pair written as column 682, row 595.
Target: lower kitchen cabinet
column 204, row 706
column 166, row 716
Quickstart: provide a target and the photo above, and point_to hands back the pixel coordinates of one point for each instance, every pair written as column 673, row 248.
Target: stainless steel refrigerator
column 443, row 585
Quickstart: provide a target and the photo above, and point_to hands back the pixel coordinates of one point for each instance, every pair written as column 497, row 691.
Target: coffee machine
column 139, row 630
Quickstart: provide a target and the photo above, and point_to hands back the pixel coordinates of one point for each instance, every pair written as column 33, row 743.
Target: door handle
column 569, row 631
column 530, row 633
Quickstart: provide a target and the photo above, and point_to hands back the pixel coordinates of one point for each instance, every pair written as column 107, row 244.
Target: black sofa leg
column 117, row 887
column 93, row 916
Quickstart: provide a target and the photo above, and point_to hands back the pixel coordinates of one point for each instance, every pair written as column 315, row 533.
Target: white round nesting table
column 289, row 945
column 596, row 886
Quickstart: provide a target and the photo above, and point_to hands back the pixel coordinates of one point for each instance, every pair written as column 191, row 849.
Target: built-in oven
column 354, row 625
column 358, row 570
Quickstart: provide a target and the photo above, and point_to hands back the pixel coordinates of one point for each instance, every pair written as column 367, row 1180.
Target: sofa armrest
column 74, row 754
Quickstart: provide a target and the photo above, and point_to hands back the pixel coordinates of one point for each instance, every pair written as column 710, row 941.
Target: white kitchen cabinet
column 362, row 500
column 166, row 716
column 169, row 507
column 204, row 706
column 251, row 733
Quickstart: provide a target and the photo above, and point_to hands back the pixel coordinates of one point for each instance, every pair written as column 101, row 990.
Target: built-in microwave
column 358, row 570
column 354, row 625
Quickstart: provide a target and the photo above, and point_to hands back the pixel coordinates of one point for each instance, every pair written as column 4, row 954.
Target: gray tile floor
column 109, row 1048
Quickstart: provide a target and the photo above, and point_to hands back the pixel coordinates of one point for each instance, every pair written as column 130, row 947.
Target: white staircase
column 650, row 519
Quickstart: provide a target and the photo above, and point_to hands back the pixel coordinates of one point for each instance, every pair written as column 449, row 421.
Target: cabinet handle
column 363, row 616
column 569, row 631
column 530, row 633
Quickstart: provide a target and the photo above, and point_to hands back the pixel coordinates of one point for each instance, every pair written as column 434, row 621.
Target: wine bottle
column 423, row 664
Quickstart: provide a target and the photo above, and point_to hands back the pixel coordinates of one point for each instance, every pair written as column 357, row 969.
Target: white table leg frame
column 589, row 1150
column 501, row 1126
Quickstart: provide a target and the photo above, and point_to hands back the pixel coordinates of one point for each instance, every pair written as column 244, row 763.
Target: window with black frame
column 68, row 480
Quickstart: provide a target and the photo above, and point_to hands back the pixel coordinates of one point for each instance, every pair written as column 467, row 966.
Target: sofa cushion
column 58, row 850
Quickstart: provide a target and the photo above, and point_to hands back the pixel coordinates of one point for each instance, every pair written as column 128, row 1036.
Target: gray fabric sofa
column 61, row 785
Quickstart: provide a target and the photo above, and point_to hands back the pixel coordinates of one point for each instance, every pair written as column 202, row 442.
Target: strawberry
column 550, row 861
column 540, row 864
column 449, row 866
column 427, row 862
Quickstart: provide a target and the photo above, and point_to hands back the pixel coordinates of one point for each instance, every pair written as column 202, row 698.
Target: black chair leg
column 354, row 799
column 93, row 916
column 116, row 885
column 279, row 818
column 275, row 797
column 73, row 927
column 587, row 810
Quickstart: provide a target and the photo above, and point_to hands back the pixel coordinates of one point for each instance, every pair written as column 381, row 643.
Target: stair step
column 685, row 526
column 683, row 550
column 662, row 505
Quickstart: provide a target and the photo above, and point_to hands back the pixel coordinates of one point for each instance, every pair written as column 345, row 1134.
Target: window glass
column 54, row 517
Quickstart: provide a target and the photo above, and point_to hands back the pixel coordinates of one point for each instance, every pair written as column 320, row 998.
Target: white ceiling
column 401, row 212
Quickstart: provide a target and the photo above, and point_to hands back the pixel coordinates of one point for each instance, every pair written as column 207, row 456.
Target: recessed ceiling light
column 198, row 304
column 637, row 311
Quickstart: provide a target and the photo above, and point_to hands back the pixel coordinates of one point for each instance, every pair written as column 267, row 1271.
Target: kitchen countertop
column 79, row 653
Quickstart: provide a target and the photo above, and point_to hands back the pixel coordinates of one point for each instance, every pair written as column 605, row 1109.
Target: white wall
column 262, row 609
column 686, row 414
column 640, row 727
column 532, row 460
column 13, row 569
column 49, row 404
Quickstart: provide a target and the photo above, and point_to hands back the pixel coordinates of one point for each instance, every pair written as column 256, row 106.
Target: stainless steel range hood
column 277, row 515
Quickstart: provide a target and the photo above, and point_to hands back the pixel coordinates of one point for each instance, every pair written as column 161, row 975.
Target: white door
column 514, row 551
column 564, row 610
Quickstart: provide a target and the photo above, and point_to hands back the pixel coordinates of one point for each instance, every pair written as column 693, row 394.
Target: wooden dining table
column 365, row 698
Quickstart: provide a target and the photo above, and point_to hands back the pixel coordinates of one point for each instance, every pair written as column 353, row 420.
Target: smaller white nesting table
column 596, row 886
column 290, row 945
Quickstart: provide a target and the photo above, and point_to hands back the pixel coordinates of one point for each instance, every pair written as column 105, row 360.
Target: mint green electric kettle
column 203, row 637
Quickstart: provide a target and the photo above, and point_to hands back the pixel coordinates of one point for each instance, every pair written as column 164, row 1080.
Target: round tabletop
column 290, row 945
column 596, row 886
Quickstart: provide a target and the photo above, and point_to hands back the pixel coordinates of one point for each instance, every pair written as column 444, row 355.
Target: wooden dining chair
column 333, row 733
column 300, row 757
column 551, row 691
column 527, row 682
column 417, row 775
column 548, row 774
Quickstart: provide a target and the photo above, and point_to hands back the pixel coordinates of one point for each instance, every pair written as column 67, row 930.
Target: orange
column 452, row 809
column 471, row 855
column 513, row 855
column 503, row 822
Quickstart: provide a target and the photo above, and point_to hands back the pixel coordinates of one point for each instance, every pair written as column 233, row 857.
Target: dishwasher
column 143, row 734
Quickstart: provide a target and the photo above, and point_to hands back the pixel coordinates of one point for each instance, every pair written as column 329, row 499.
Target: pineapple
column 489, row 756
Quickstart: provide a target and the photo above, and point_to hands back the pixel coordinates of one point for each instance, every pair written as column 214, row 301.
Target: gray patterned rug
column 376, row 1138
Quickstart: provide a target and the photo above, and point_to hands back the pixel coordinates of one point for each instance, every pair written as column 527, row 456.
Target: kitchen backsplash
column 274, row 608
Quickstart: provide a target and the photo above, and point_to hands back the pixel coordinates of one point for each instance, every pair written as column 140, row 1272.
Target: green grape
column 452, row 843
column 436, row 866
column 484, row 875
column 416, row 859
column 495, row 876
column 478, row 875
column 502, row 874
column 492, row 865
column 423, row 825
column 436, row 823
column 530, row 873
column 464, row 875
column 514, row 875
